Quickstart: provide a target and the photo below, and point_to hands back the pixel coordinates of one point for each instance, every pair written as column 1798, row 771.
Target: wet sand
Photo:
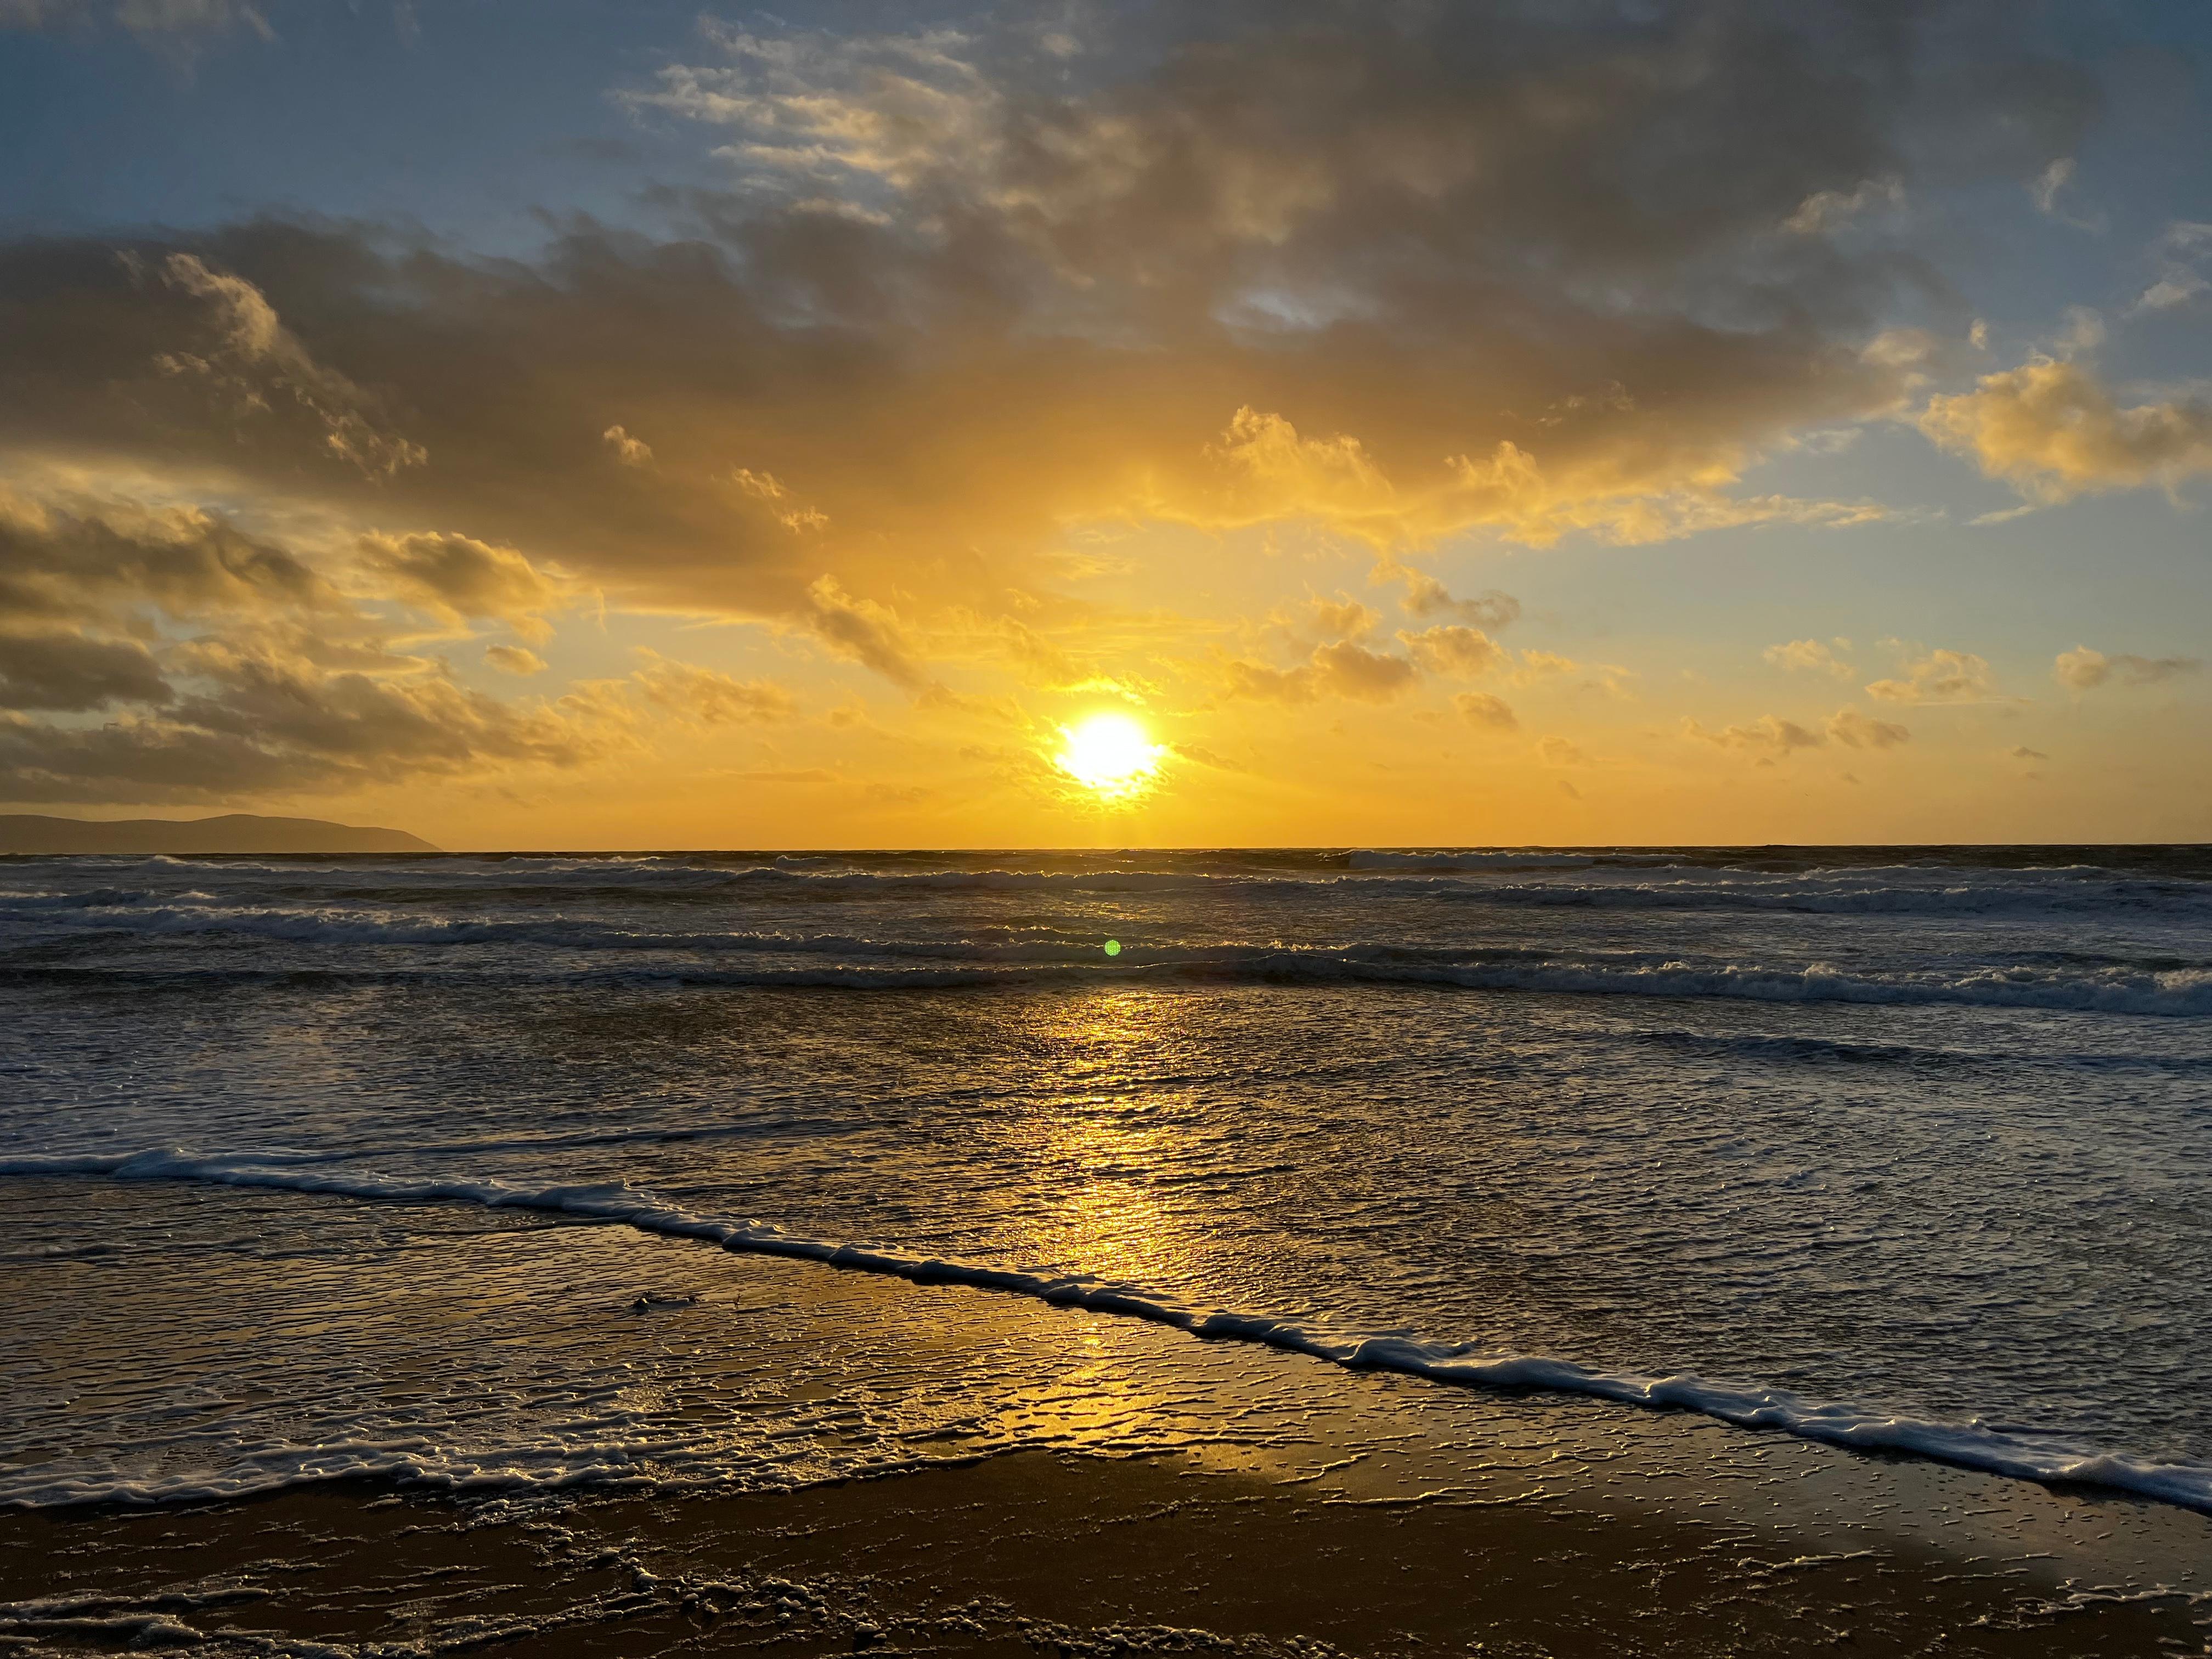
column 1026, row 1552
column 754, row 1452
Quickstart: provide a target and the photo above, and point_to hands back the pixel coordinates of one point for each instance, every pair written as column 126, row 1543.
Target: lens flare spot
column 1113, row 947
column 1110, row 755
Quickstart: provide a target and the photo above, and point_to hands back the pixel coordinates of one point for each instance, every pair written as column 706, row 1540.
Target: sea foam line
column 1968, row 1445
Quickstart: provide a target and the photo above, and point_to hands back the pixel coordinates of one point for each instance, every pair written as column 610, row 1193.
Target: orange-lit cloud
column 971, row 384
column 2055, row 431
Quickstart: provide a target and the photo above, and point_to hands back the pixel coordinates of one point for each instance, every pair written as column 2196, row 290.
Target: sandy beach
column 1198, row 1496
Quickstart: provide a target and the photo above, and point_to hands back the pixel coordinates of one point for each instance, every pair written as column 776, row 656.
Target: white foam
column 1972, row 1445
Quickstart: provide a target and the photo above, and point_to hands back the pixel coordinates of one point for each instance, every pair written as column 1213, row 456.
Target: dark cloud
column 1400, row 269
column 1521, row 267
column 462, row 578
column 242, row 669
column 284, row 733
column 69, row 673
column 85, row 560
column 275, row 725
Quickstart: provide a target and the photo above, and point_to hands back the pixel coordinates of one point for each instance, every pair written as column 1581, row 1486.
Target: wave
column 1846, row 897
column 2183, row 991
column 1574, row 884
column 382, row 919
column 1493, row 858
column 2003, row 1451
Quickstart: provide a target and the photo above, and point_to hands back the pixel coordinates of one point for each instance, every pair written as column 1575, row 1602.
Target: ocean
column 1901, row 1149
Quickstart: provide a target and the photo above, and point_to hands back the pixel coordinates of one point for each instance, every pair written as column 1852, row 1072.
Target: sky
column 620, row 424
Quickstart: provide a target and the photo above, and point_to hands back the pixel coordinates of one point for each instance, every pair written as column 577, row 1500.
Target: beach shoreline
column 1024, row 1552
column 1129, row 1487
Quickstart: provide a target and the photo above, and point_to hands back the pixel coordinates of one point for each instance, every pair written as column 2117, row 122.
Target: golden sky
column 1418, row 424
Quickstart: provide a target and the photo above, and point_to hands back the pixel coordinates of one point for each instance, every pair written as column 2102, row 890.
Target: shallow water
column 1901, row 1148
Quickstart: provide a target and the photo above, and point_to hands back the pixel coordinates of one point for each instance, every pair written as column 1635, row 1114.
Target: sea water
column 304, row 1163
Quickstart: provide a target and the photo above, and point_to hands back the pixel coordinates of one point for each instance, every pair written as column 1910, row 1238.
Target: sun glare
column 1110, row 755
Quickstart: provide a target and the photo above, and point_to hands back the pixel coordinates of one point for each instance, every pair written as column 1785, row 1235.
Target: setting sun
column 1109, row 755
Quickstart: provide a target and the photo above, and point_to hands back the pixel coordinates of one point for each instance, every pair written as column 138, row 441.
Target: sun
column 1110, row 755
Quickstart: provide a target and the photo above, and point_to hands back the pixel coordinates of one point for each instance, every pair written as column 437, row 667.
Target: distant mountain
column 234, row 832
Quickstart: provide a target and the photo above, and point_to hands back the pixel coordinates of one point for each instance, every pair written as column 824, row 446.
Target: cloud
column 1427, row 596
column 1453, row 652
column 164, row 23
column 814, row 110
column 1768, row 732
column 1345, row 669
column 1480, row 708
column 2181, row 252
column 1536, row 665
column 1811, row 656
column 253, row 359
column 274, row 722
column 80, row 560
column 1560, row 751
column 1938, row 677
column 2084, row 670
column 1191, row 751
column 461, row 578
column 954, row 304
column 1857, row 731
column 2053, row 431
column 1772, row 735
column 791, row 514
column 1825, row 210
column 2048, row 185
column 515, row 659
column 228, row 665
column 2170, row 291
column 2024, row 753
column 630, row 452
column 66, row 671
column 1404, row 271
column 863, row 631
column 707, row 694
column 1342, row 619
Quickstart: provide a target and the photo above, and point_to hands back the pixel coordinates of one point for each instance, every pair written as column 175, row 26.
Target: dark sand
column 1026, row 1552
